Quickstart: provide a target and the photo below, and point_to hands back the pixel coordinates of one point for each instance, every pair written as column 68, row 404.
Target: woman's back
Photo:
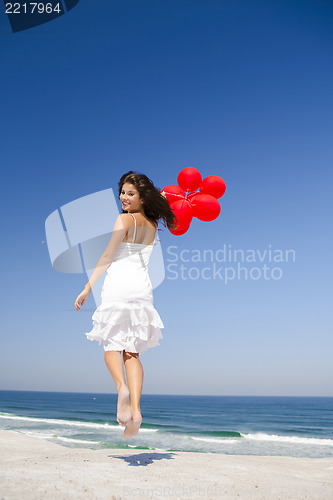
column 127, row 276
column 141, row 230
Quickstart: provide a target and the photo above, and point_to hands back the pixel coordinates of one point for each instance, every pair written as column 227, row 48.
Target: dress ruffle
column 133, row 326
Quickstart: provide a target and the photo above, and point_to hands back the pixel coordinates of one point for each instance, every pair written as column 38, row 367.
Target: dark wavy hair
column 155, row 205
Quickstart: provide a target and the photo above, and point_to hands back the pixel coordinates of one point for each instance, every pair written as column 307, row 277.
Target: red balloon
column 183, row 211
column 213, row 185
column 205, row 207
column 189, row 179
column 173, row 193
column 178, row 232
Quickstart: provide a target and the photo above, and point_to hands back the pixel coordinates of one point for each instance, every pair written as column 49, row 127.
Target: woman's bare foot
column 124, row 413
column 133, row 426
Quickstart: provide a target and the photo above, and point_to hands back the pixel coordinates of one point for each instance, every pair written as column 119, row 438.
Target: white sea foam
column 71, row 423
column 288, row 439
column 69, row 440
column 39, row 435
column 215, row 440
column 36, row 434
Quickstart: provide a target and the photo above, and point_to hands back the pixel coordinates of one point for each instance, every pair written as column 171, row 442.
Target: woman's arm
column 118, row 235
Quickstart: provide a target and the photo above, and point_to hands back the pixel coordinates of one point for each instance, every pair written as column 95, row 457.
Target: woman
column 126, row 321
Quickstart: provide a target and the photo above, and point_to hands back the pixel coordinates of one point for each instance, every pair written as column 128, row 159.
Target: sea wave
column 214, row 437
column 214, row 440
column 288, row 439
column 71, row 440
column 71, row 423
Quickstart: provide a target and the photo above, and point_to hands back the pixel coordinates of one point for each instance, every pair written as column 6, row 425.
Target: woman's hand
column 82, row 298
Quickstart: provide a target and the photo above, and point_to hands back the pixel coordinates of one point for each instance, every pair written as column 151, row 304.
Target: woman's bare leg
column 134, row 372
column 114, row 363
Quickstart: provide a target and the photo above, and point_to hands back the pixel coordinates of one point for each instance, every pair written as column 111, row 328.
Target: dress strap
column 134, row 227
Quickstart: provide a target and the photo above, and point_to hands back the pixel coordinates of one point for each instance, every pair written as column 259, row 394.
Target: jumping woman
column 126, row 322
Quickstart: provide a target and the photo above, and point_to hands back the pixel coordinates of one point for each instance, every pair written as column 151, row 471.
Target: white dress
column 126, row 319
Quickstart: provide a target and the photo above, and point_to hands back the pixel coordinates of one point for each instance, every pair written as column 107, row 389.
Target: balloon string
column 186, row 195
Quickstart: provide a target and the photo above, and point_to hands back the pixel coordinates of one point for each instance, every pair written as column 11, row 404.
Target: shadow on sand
column 143, row 459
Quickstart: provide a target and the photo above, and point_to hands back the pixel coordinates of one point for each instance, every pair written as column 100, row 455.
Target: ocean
column 235, row 425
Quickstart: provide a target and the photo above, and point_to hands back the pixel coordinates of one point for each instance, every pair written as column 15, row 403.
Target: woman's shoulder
column 125, row 218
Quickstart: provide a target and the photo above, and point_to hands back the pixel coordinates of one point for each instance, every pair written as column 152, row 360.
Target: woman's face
column 130, row 198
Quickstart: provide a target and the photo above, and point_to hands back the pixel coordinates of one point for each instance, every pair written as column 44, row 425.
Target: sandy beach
column 33, row 468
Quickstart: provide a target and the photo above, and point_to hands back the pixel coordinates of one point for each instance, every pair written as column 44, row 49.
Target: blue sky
column 239, row 89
